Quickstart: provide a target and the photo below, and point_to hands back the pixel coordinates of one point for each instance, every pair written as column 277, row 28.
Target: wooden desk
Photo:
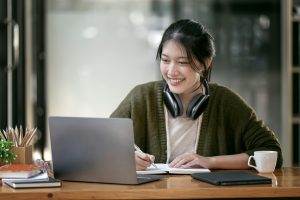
column 286, row 184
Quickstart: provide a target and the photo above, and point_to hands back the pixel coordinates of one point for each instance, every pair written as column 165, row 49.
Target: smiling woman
column 175, row 67
column 222, row 136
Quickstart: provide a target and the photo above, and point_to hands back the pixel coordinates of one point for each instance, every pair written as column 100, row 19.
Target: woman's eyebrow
column 180, row 57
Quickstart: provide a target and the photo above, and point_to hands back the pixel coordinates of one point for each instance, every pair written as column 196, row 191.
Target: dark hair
column 196, row 40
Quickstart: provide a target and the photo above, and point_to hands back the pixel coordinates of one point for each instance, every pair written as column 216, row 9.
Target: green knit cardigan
column 229, row 125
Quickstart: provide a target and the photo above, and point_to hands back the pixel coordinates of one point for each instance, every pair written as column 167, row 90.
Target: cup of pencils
column 22, row 143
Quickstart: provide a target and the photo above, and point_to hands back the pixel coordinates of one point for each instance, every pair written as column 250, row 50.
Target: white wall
column 96, row 52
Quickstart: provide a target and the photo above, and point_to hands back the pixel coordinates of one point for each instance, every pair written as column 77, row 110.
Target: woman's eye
column 183, row 62
column 164, row 60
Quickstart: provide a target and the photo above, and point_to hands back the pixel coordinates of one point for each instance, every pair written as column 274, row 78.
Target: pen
column 138, row 149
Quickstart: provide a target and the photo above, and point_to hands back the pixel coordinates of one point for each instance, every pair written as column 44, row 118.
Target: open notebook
column 165, row 169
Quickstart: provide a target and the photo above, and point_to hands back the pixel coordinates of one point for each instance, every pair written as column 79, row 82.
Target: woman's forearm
column 236, row 161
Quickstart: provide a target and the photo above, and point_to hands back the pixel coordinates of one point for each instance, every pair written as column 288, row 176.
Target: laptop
column 232, row 178
column 94, row 150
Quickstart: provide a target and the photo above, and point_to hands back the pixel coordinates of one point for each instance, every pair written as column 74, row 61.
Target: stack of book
column 26, row 176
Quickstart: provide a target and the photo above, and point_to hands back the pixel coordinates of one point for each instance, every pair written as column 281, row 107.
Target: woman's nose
column 172, row 70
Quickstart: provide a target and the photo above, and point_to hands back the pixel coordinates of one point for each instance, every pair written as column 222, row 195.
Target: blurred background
column 81, row 57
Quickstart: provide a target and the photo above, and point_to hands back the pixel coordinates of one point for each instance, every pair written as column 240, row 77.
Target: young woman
column 186, row 121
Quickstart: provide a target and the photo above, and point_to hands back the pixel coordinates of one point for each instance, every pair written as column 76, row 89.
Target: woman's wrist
column 211, row 162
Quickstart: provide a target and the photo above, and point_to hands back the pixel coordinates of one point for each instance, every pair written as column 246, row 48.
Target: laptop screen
column 93, row 149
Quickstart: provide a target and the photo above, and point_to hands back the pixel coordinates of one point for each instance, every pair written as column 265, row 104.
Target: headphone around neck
column 195, row 107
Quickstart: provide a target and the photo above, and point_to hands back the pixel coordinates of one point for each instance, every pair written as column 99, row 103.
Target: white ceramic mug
column 265, row 161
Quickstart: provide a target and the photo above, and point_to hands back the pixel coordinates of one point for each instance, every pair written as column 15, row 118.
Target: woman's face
column 176, row 69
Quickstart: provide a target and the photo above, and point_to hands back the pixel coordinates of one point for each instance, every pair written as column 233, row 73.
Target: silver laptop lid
column 93, row 149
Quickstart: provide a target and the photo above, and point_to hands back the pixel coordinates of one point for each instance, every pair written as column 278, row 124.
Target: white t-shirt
column 182, row 135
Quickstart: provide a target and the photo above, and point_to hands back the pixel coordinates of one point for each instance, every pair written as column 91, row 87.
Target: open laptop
column 94, row 150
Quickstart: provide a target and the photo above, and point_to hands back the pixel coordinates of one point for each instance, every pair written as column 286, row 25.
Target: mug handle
column 249, row 160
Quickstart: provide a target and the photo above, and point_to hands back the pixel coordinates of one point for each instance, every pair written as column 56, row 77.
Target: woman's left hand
column 191, row 160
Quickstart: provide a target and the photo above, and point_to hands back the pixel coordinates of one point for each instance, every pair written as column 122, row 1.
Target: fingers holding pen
column 143, row 160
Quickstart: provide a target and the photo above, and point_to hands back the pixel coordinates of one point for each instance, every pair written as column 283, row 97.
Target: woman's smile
column 175, row 81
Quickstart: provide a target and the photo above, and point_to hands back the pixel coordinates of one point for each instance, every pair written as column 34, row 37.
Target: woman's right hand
column 143, row 160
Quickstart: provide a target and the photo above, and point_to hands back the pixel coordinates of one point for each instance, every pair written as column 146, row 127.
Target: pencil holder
column 22, row 141
column 24, row 155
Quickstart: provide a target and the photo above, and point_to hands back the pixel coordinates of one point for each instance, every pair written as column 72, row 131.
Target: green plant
column 6, row 156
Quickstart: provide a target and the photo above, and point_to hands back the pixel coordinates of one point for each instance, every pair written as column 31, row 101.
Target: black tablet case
column 231, row 178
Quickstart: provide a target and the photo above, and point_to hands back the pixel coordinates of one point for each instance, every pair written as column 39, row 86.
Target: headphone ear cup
column 197, row 106
column 172, row 102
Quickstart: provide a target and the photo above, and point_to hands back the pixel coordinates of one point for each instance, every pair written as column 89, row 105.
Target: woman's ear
column 208, row 62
